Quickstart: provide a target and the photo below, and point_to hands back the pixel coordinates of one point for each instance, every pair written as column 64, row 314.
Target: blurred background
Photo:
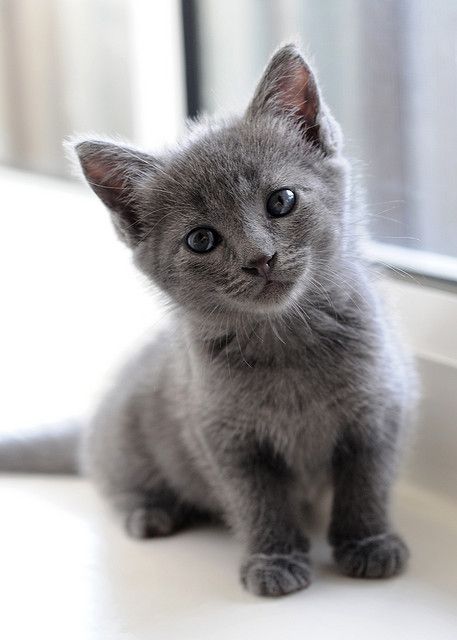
column 135, row 69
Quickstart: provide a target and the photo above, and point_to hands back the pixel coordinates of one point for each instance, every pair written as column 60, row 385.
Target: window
column 387, row 67
column 87, row 66
column 388, row 71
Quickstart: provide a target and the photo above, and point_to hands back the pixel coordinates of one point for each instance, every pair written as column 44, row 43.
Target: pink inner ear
column 298, row 94
column 100, row 172
column 106, row 179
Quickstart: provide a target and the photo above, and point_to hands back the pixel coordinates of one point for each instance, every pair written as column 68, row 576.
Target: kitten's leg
column 364, row 546
column 117, row 461
column 156, row 512
column 255, row 488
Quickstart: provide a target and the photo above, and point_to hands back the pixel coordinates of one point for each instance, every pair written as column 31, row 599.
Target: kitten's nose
column 261, row 266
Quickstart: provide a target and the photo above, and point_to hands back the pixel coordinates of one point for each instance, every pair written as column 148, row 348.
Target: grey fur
column 255, row 396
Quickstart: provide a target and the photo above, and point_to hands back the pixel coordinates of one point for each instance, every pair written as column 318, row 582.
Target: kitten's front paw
column 149, row 522
column 379, row 556
column 276, row 575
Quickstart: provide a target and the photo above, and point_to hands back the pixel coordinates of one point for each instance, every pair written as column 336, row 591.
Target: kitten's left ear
column 118, row 175
column 288, row 88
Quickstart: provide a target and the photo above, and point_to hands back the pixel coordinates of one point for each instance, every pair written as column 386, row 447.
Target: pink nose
column 261, row 266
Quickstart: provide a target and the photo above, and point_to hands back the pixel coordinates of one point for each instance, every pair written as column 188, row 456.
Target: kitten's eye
column 280, row 202
column 202, row 240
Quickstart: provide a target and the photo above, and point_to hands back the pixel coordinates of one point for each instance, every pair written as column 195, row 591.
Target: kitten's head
column 246, row 213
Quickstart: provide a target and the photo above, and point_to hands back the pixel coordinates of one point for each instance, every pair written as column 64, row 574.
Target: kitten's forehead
column 235, row 161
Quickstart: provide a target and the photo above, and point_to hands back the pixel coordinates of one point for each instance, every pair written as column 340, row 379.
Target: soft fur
column 259, row 393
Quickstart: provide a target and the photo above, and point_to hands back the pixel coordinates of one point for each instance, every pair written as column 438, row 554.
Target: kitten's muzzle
column 261, row 266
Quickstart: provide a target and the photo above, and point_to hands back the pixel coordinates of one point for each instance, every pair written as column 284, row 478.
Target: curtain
column 64, row 67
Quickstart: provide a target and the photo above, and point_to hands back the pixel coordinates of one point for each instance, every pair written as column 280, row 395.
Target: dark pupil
column 280, row 203
column 201, row 240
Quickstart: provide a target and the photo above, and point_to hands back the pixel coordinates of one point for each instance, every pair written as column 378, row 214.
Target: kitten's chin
column 274, row 298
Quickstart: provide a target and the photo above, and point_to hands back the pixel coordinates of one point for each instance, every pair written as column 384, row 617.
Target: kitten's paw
column 276, row 575
column 149, row 522
column 379, row 556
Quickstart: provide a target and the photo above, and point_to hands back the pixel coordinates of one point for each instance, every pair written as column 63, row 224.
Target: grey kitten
column 277, row 374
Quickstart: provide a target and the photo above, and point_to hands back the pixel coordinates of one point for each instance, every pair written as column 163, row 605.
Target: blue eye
column 202, row 240
column 280, row 202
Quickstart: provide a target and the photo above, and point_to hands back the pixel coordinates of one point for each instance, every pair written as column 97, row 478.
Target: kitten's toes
column 276, row 575
column 149, row 522
column 380, row 556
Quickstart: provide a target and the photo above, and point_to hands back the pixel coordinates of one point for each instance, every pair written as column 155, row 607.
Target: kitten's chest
column 292, row 405
column 299, row 379
column 294, row 393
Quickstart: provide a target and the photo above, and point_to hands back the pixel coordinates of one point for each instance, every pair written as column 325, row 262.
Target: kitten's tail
column 52, row 449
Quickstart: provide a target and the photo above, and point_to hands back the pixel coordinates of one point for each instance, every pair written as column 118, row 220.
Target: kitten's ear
column 289, row 88
column 116, row 174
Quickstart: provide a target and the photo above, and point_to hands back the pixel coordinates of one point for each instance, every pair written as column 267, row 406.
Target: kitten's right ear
column 116, row 174
column 288, row 88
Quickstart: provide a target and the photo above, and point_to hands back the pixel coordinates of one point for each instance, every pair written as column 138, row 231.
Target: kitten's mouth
column 273, row 289
column 268, row 296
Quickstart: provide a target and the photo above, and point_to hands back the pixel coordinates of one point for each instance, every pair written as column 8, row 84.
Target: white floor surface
column 69, row 572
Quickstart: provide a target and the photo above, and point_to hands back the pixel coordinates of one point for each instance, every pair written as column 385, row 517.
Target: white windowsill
column 72, row 306
column 425, row 263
